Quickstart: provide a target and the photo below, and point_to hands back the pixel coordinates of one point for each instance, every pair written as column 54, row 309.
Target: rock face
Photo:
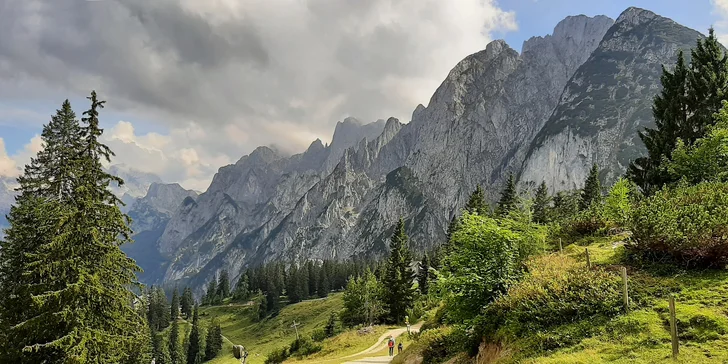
column 136, row 183
column 607, row 102
column 150, row 215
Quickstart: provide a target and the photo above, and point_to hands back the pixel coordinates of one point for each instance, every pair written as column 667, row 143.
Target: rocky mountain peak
column 634, row 16
column 347, row 134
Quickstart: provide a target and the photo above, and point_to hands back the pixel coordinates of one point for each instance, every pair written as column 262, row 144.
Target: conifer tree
column 398, row 293
column 312, row 278
column 708, row 84
column 75, row 303
column 262, row 308
column 324, row 286
column 330, row 329
column 213, row 342
column 242, row 288
column 211, row 294
column 302, row 282
column 292, row 289
column 592, row 191
column 541, row 204
column 160, row 351
column 509, row 198
column 194, row 355
column 223, row 285
column 174, row 306
column 476, row 204
column 271, row 299
column 187, row 302
column 423, row 275
column 175, row 351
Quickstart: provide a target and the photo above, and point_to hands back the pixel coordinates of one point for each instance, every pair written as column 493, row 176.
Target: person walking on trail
column 391, row 346
column 399, row 348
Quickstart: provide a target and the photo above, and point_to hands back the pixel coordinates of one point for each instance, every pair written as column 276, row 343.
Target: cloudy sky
column 193, row 85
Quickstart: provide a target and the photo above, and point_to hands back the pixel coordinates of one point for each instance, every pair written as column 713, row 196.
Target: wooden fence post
column 673, row 328
column 624, row 288
column 588, row 259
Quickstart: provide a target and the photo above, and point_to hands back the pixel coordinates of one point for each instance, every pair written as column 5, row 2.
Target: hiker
column 391, row 346
column 399, row 348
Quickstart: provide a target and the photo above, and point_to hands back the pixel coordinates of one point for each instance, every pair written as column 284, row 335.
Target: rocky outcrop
column 607, row 102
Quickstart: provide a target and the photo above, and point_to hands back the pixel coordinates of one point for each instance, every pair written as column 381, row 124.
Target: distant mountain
column 136, row 183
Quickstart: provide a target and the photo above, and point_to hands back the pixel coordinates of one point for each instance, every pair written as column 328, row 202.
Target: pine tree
column 175, row 351
column 670, row 111
column 541, row 204
column 324, row 286
column 160, row 351
column 690, row 97
column 213, row 342
column 708, row 84
column 242, row 288
column 423, row 275
column 262, row 308
column 223, row 285
column 476, row 204
column 398, row 293
column 187, row 302
column 330, row 329
column 272, row 297
column 509, row 198
column 194, row 355
column 302, row 282
column 76, row 301
column 174, row 306
column 211, row 294
column 592, row 191
column 292, row 289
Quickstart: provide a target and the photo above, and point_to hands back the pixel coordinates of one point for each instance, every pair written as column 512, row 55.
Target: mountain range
column 568, row 100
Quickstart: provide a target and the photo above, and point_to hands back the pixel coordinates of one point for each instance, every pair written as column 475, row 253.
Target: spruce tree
column 324, row 286
column 213, row 341
column 541, row 204
column 175, row 351
column 174, row 306
column 423, row 275
column 476, row 203
column 398, row 293
column 242, row 288
column 292, row 289
column 302, row 282
column 509, row 198
column 272, row 297
column 211, row 293
column 312, row 278
column 708, row 84
column 263, row 309
column 223, row 285
column 592, row 191
column 187, row 301
column 330, row 329
column 194, row 355
column 76, row 301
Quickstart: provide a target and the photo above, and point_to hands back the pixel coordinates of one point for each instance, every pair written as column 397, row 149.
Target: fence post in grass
column 624, row 288
column 561, row 247
column 673, row 328
column 588, row 259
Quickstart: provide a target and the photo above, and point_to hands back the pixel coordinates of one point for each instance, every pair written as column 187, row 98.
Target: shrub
column 277, row 356
column 685, row 224
column 304, row 347
column 483, row 259
column 558, row 291
column 441, row 344
column 619, row 201
column 589, row 222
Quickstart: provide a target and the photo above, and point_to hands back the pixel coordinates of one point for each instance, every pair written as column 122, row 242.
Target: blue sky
column 22, row 113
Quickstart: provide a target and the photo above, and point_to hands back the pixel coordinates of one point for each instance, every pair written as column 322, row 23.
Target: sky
column 192, row 85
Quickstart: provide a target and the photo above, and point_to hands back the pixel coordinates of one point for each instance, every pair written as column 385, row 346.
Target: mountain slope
column 607, row 101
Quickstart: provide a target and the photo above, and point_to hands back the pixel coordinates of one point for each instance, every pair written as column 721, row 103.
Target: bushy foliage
column 589, row 222
column 441, row 344
column 362, row 300
column 557, row 291
column 277, row 356
column 303, row 347
column 707, row 159
column 619, row 201
column 685, row 224
column 484, row 259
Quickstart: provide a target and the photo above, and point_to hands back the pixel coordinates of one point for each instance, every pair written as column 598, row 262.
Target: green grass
column 338, row 348
column 239, row 325
column 642, row 335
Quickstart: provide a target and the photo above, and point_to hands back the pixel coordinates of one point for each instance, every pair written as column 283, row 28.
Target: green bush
column 483, row 260
column 551, row 300
column 277, row 356
column 304, row 347
column 590, row 222
column 441, row 344
column 319, row 335
column 685, row 224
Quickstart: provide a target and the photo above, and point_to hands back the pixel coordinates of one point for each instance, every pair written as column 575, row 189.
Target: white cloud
column 229, row 75
column 720, row 7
